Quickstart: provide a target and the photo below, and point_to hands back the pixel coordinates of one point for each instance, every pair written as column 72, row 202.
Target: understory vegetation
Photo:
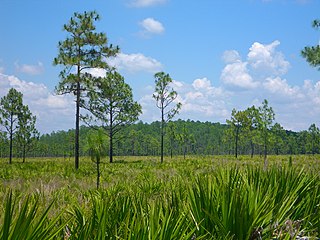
column 200, row 197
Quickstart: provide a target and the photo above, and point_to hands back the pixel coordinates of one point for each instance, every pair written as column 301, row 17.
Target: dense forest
column 182, row 137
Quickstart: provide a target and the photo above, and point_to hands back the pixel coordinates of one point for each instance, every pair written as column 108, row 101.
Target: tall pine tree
column 81, row 51
column 10, row 112
column 165, row 96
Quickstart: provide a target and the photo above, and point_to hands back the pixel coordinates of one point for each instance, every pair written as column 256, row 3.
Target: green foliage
column 197, row 198
column 81, row 51
column 84, row 48
column 239, row 122
column 185, row 139
column 18, row 122
column 312, row 54
column 111, row 104
column 314, row 137
column 27, row 134
column 164, row 96
column 97, row 150
column 22, row 220
column 142, row 139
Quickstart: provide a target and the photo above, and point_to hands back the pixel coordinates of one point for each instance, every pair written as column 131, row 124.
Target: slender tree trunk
column 98, row 172
column 265, row 152
column 162, row 132
column 76, row 152
column 111, row 136
column 313, row 151
column 24, row 153
column 110, row 147
column 171, row 148
column 237, row 137
column 11, row 139
column 252, row 149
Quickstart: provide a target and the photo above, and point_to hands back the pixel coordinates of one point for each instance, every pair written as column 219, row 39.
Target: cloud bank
column 135, row 62
column 30, row 69
column 244, row 82
column 53, row 112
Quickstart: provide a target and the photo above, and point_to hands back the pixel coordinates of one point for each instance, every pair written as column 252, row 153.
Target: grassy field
column 198, row 198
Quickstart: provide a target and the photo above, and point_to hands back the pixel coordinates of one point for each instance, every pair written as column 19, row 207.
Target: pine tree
column 10, row 111
column 111, row 105
column 83, row 50
column 164, row 96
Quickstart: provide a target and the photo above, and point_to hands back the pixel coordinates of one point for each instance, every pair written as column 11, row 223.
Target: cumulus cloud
column 97, row 72
column 261, row 75
column 53, row 112
column 151, row 26
column 236, row 74
column 146, row 3
column 313, row 92
column 280, row 86
column 266, row 60
column 201, row 83
column 200, row 101
column 263, row 61
column 135, row 62
column 231, row 56
column 30, row 69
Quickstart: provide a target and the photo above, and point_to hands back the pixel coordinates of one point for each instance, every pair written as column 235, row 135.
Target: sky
column 221, row 54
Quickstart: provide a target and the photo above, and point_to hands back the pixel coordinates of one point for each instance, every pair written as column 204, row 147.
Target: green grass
column 202, row 197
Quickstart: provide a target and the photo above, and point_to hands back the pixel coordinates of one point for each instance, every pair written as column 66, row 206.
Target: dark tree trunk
column 252, row 149
column 11, row 139
column 162, row 133
column 76, row 152
column 110, row 147
column 24, row 153
column 237, row 137
column 98, row 172
column 111, row 136
column 265, row 152
column 171, row 147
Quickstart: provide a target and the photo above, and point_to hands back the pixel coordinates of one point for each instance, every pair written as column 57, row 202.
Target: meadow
column 200, row 197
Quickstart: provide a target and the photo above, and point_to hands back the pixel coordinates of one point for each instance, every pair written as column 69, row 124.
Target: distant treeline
column 182, row 137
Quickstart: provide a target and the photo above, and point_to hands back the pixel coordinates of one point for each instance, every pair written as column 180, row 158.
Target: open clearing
column 200, row 197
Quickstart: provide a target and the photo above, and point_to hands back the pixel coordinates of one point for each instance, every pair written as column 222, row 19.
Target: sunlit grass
column 201, row 197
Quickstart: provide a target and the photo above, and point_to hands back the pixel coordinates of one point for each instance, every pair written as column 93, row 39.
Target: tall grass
column 241, row 203
column 22, row 220
column 196, row 198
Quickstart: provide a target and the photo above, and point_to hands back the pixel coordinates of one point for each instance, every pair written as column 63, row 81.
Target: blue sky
column 221, row 55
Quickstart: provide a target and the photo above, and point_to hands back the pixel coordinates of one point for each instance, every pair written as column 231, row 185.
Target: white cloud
column 151, row 26
column 200, row 101
column 266, row 60
column 146, row 3
column 53, row 112
column 263, row 62
column 201, row 83
column 312, row 91
column 135, row 62
column 261, row 75
column 30, row 69
column 281, row 87
column 236, row 74
column 97, row 72
column 231, row 56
